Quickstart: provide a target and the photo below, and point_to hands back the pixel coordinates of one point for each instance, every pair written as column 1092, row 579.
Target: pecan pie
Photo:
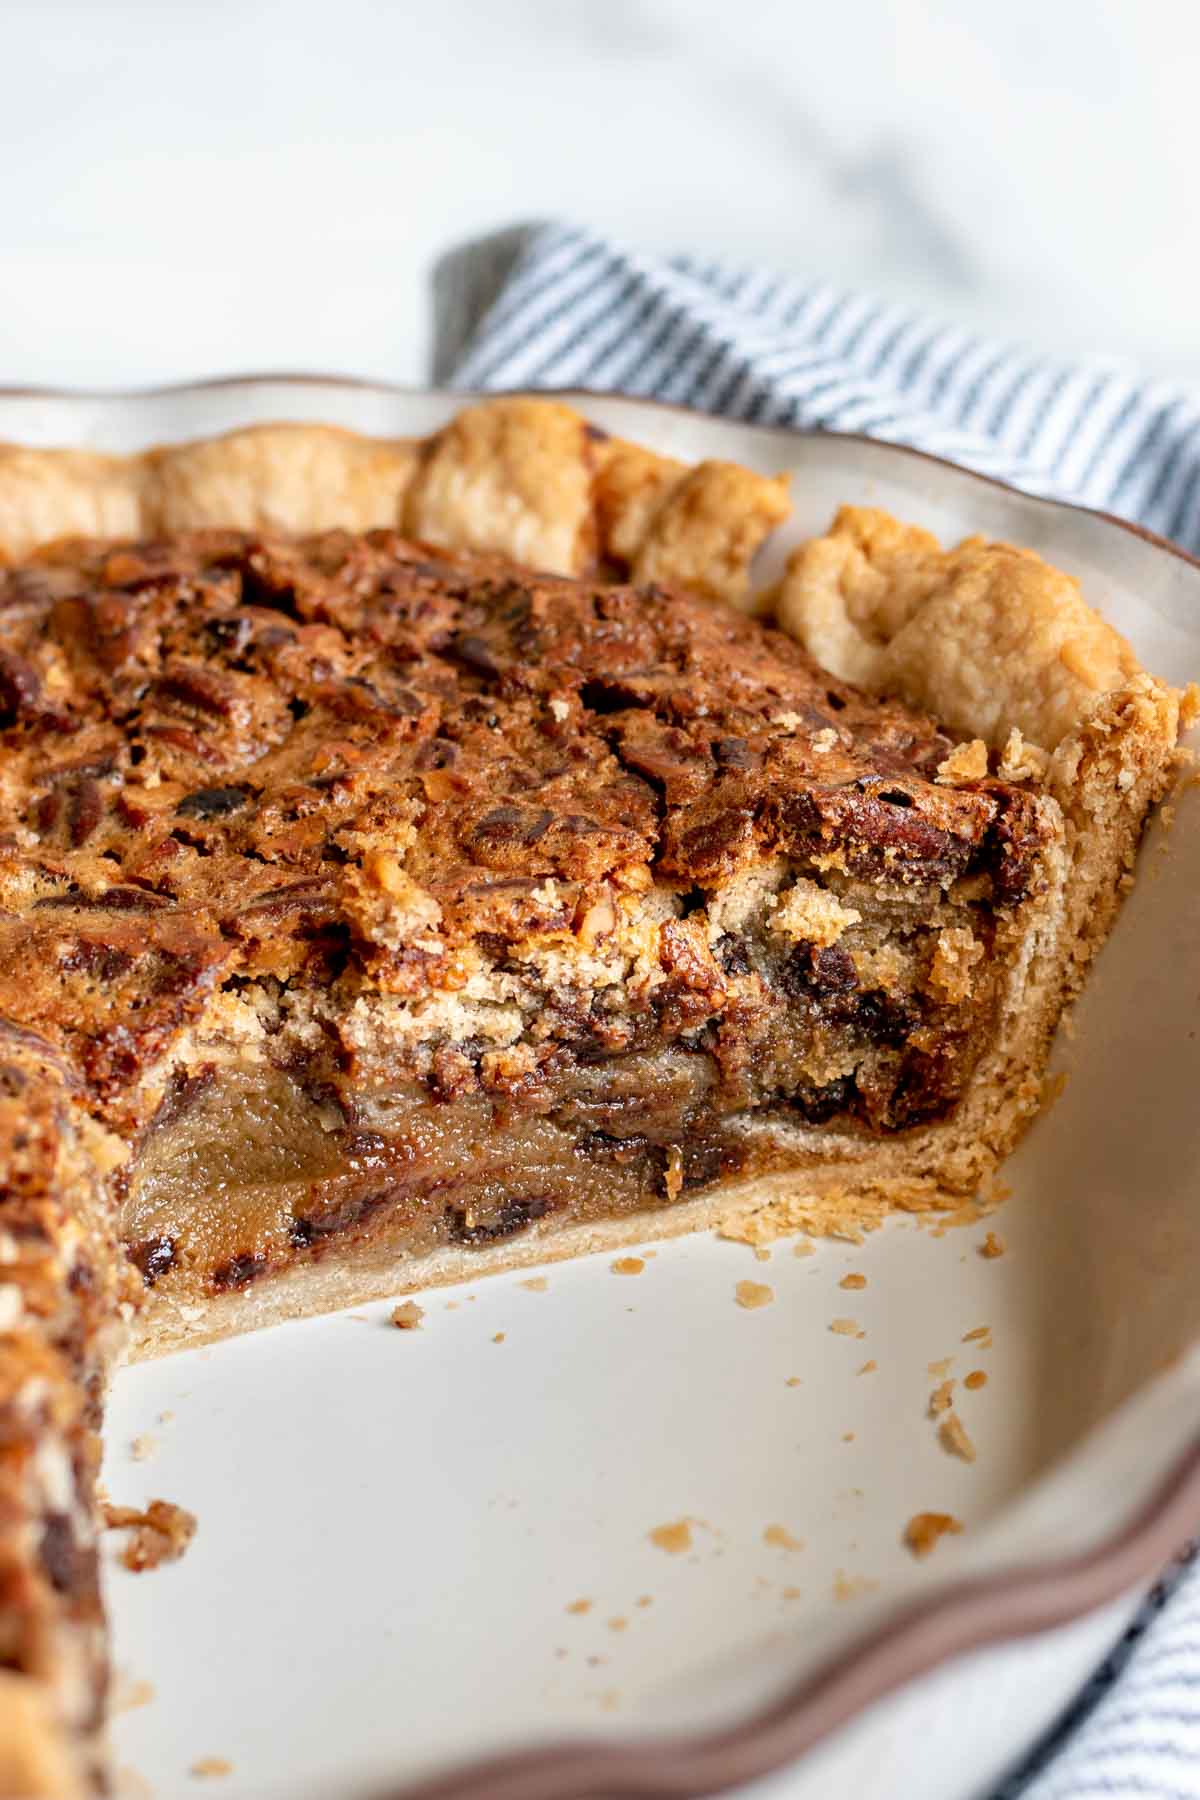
column 415, row 858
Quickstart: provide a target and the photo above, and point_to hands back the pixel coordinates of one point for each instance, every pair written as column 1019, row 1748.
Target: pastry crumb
column 761, row 1253
column 212, row 1765
column 966, row 763
column 1020, row 760
column 976, row 1379
column 497, row 1337
column 579, row 1606
column 981, row 1335
column 790, row 1593
column 846, row 1328
column 129, row 1695
column 952, row 1435
column 143, row 1446
column 619, row 1623
column 752, row 1294
column 869, row 1367
column 925, row 1528
column 537, row 1284
column 942, row 1366
column 407, row 1316
column 166, row 1418
column 805, row 1247
column 941, row 1399
column 674, row 1537
column 992, row 1245
column 850, row 1587
column 627, row 1265
column 644, row 1600
column 780, row 1538
column 159, row 1534
column 853, row 1281
column 794, row 1381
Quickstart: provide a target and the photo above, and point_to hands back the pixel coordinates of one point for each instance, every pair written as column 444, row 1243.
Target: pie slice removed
column 417, row 859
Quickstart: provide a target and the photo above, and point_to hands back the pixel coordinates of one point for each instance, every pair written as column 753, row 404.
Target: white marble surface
column 207, row 185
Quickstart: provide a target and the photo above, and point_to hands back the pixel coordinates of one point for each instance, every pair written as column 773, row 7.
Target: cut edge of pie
column 1041, row 698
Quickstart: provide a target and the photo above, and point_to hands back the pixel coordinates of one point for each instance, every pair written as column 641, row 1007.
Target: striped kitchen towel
column 553, row 306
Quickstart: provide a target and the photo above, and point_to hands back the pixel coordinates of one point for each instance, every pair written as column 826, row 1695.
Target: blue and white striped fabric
column 551, row 306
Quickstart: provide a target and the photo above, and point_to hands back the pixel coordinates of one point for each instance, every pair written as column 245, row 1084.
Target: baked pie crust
column 415, row 860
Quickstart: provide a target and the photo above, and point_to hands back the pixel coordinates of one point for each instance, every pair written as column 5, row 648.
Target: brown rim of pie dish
column 920, row 1637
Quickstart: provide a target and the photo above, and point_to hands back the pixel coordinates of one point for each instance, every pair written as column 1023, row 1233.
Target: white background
column 199, row 186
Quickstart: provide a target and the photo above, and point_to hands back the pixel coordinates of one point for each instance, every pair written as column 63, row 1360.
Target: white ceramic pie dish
column 394, row 1526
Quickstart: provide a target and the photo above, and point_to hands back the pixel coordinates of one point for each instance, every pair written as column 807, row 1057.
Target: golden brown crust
column 525, row 477
column 514, row 476
column 277, row 478
column 35, row 1758
column 988, row 637
column 46, row 494
column 699, row 528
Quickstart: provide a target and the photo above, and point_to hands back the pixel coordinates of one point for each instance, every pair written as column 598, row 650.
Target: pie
column 421, row 858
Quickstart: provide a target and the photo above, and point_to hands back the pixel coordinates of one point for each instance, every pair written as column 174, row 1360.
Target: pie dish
column 438, row 914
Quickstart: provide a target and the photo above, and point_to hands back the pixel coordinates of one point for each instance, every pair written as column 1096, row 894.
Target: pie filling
column 379, row 895
column 247, row 1167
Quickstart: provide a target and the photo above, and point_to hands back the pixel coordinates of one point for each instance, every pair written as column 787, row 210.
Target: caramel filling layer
column 249, row 1167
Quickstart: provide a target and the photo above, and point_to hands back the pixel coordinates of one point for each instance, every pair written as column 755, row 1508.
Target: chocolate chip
column 213, row 803
column 884, row 1019
column 237, row 1271
column 232, row 632
column 731, row 954
column 340, row 1217
column 816, row 1105
column 470, row 1225
column 602, row 1146
column 153, row 1256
